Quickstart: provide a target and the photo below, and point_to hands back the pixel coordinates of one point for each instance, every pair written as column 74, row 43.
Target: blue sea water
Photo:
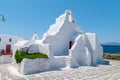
column 111, row 48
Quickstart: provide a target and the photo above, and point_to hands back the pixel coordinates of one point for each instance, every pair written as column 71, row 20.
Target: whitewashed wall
column 5, row 40
column 97, row 54
column 64, row 62
column 38, row 65
column 80, row 51
column 61, row 33
column 5, row 59
column 17, row 46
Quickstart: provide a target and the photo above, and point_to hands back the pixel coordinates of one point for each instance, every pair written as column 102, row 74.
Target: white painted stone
column 16, row 47
column 5, row 40
column 64, row 61
column 34, row 48
column 71, row 63
column 78, row 51
column 24, row 49
column 5, row 59
column 61, row 33
column 35, row 37
column 30, row 66
column 97, row 53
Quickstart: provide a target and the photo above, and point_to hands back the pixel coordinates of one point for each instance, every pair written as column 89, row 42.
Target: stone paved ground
column 101, row 72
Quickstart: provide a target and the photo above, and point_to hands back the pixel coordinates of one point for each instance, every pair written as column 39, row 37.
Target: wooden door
column 8, row 49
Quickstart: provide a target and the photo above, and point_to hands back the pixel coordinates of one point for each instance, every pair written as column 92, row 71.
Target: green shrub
column 19, row 56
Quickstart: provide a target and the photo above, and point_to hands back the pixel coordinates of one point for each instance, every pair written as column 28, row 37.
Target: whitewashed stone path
column 101, row 72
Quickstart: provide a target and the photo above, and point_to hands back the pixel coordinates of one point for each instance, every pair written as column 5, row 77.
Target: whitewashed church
column 65, row 43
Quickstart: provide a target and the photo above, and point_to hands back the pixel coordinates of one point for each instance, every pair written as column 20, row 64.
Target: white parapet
column 5, row 59
column 30, row 66
column 64, row 62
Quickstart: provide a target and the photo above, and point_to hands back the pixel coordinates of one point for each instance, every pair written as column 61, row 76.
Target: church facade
column 66, row 45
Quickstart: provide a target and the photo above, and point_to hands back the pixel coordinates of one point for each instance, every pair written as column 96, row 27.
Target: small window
column 68, row 13
column 10, row 40
column 35, row 37
column 0, row 39
column 73, row 21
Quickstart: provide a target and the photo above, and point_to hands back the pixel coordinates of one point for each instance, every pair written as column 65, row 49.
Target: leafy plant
column 19, row 56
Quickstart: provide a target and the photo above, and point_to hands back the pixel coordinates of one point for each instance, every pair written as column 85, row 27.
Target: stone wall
column 30, row 66
column 80, row 51
column 97, row 54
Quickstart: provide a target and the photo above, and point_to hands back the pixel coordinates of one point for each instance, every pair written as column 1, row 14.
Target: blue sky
column 25, row 17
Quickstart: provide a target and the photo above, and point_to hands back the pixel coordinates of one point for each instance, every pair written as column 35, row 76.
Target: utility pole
column 2, row 18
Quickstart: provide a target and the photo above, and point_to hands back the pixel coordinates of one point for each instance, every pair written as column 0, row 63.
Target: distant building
column 6, row 47
column 35, row 37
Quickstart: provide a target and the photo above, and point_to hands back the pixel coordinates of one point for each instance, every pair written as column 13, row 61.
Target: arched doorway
column 70, row 44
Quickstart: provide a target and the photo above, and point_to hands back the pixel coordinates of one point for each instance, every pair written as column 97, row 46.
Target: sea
column 111, row 49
